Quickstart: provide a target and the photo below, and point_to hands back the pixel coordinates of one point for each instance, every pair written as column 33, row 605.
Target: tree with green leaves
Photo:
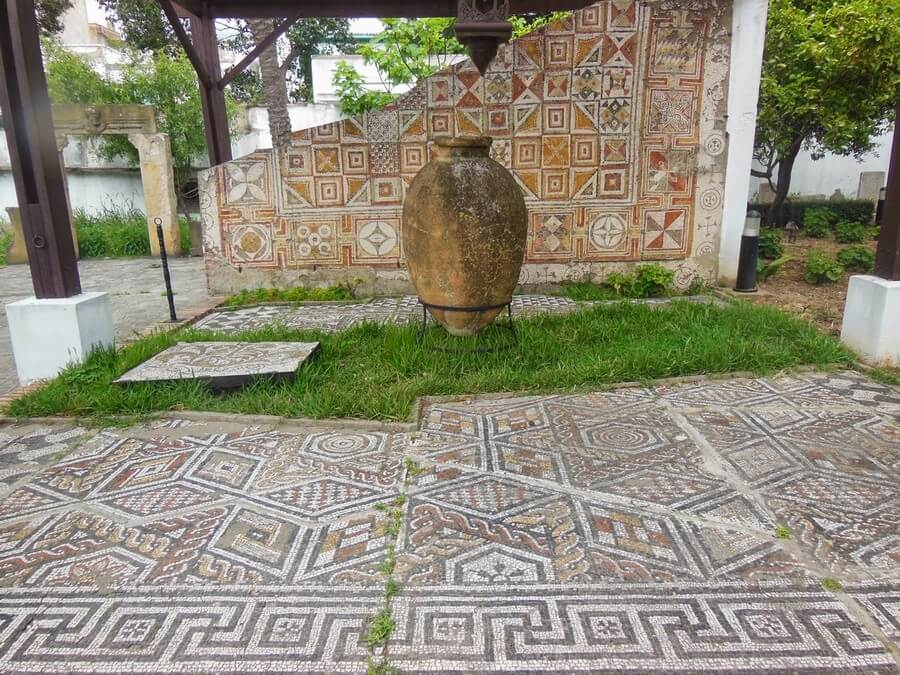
column 49, row 15
column 166, row 82
column 281, row 80
column 830, row 83
column 409, row 50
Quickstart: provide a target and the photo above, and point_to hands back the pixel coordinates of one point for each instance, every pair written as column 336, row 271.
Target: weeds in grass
column 6, row 239
column 782, row 532
column 832, row 585
column 381, row 625
column 647, row 281
column 119, row 233
column 258, row 296
column 376, row 371
column 884, row 376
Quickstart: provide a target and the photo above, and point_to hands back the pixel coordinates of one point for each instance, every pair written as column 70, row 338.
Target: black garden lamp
column 746, row 274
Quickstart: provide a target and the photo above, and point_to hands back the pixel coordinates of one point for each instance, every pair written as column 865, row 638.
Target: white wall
column 96, row 184
column 833, row 172
column 748, row 38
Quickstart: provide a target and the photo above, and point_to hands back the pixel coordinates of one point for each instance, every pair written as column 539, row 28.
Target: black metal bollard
column 165, row 265
column 746, row 274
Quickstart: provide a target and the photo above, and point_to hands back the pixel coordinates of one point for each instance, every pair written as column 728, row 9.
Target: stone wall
column 612, row 123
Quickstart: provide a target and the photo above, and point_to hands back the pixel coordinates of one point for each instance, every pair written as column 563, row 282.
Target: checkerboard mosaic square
column 619, row 110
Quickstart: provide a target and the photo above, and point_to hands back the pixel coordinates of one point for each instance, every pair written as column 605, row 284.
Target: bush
column 652, row 280
column 854, row 210
column 6, row 239
column 118, row 234
column 821, row 269
column 770, row 246
column 818, row 222
column 857, row 258
column 621, row 282
column 846, row 232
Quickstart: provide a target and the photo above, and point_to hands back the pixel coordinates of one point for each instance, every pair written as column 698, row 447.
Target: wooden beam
column 212, row 96
column 185, row 40
column 361, row 8
column 241, row 66
column 39, row 180
column 887, row 259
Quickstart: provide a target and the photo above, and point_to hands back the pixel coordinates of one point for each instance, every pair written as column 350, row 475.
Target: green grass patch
column 884, row 376
column 6, row 240
column 782, row 532
column 258, row 296
column 119, row 233
column 377, row 371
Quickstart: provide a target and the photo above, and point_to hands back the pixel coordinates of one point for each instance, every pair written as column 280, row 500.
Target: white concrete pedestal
column 872, row 319
column 49, row 334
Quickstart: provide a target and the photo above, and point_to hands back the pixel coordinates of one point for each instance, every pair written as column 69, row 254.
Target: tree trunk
column 785, row 170
column 273, row 85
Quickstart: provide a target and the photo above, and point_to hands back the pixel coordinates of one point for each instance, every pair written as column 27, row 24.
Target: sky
column 357, row 26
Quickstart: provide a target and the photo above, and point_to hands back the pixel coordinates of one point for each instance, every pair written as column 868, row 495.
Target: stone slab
column 223, row 365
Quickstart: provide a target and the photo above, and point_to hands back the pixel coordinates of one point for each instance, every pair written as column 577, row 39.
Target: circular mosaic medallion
column 608, row 231
column 377, row 238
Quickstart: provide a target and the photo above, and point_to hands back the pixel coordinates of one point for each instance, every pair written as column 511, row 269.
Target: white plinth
column 872, row 319
column 49, row 334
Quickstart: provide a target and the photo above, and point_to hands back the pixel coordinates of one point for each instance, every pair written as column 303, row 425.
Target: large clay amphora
column 464, row 233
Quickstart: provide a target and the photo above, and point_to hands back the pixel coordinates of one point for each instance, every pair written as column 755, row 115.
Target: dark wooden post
column 887, row 260
column 40, row 185
column 212, row 96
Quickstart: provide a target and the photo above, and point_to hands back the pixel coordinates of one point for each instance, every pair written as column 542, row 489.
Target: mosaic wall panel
column 611, row 121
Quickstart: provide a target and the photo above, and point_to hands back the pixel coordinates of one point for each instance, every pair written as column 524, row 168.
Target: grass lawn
column 376, row 372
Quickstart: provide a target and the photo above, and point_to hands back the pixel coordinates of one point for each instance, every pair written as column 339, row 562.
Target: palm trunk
column 273, row 85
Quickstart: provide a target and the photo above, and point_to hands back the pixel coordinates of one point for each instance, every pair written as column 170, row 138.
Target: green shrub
column 766, row 270
column 818, row 222
column 5, row 242
column 857, row 258
column 184, row 234
column 621, row 282
column 821, row 269
column 112, row 234
column 770, row 246
column 846, row 232
column 652, row 280
column 118, row 233
column 854, row 210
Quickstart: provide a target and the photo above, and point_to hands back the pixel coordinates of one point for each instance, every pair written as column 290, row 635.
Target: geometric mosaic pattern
column 611, row 121
column 222, row 365
column 402, row 310
column 629, row 529
column 336, row 317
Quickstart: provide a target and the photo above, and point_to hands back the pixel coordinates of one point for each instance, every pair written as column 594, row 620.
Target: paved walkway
column 136, row 286
column 633, row 529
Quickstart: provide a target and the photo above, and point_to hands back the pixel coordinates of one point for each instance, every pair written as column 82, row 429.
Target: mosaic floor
column 223, row 365
column 629, row 530
column 335, row 317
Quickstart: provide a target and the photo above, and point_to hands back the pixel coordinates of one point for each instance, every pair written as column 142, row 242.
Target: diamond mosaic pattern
column 626, row 529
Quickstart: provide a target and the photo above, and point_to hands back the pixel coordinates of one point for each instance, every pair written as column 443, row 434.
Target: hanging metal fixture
column 481, row 25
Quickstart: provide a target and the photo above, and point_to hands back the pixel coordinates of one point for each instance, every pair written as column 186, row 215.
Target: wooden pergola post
column 38, row 176
column 212, row 96
column 887, row 260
